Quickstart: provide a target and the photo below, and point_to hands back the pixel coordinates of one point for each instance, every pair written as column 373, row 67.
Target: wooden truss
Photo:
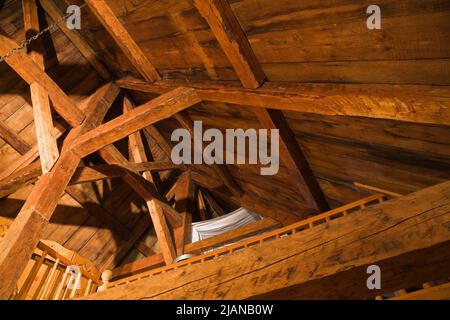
column 58, row 171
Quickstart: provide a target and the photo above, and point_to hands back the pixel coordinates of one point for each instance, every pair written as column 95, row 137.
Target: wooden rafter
column 74, row 36
column 124, row 40
column 233, row 41
column 295, row 160
column 46, row 141
column 221, row 170
column 137, row 154
column 411, row 103
column 156, row 110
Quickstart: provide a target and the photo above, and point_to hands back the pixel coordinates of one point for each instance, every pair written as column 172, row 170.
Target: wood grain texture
column 430, row 104
column 123, row 39
column 158, row 109
column 233, row 41
column 398, row 235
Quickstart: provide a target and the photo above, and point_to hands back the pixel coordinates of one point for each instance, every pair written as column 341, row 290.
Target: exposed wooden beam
column 412, row 103
column 221, row 170
column 156, row 110
column 137, row 154
column 184, row 197
column 124, row 40
column 47, row 145
column 26, row 231
column 232, row 39
column 74, row 36
column 293, row 157
column 32, row 172
column 407, row 237
column 139, row 184
column 31, row 72
column 14, row 140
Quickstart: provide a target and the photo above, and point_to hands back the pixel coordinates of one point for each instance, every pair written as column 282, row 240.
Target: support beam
column 408, row 238
column 184, row 203
column 137, row 154
column 294, row 159
column 47, row 145
column 74, row 36
column 26, row 231
column 31, row 72
column 232, row 39
column 124, row 40
column 221, row 170
column 156, row 110
column 13, row 139
column 411, row 103
column 32, row 172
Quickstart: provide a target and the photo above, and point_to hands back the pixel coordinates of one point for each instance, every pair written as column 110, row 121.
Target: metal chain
column 27, row 42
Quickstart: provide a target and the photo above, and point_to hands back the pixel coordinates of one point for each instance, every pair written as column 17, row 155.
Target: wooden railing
column 258, row 240
column 48, row 275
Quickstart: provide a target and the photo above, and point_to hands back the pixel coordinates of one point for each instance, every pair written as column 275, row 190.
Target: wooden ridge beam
column 293, row 157
column 121, row 127
column 74, row 36
column 124, row 40
column 407, row 237
column 31, row 72
column 411, row 103
column 47, row 144
column 232, row 39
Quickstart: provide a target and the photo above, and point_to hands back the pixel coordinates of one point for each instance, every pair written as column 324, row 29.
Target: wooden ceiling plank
column 137, row 154
column 295, row 160
column 47, row 144
column 221, row 170
column 121, row 127
column 31, row 72
column 98, row 212
column 412, row 103
column 124, row 40
column 75, row 37
column 252, row 203
column 232, row 39
column 14, row 140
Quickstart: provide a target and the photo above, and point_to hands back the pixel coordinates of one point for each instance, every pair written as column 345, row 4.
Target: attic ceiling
column 324, row 42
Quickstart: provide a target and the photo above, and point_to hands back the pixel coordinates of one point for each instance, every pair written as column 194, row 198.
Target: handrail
column 47, row 276
column 258, row 240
